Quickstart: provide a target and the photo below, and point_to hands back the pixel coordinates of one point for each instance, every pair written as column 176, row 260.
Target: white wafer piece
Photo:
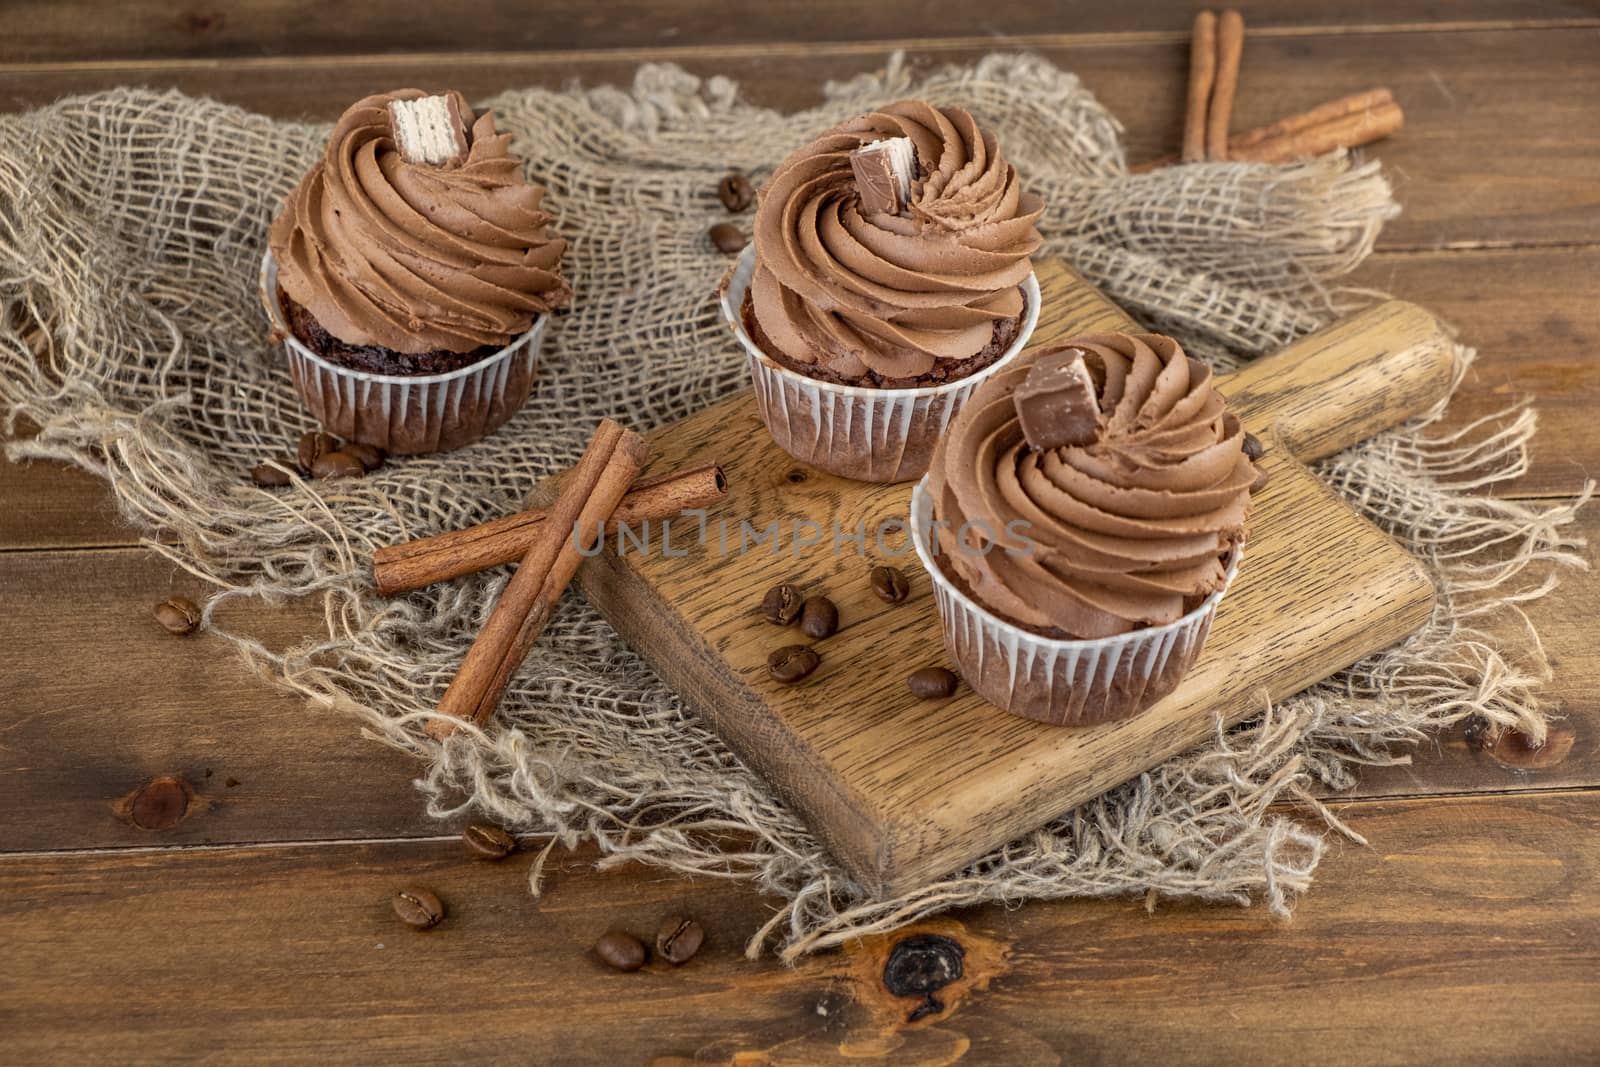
column 429, row 130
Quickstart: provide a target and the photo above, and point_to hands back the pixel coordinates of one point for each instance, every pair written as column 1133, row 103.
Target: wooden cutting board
column 902, row 791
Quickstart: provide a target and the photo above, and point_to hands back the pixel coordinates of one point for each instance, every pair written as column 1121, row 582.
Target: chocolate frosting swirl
column 1106, row 537
column 889, row 293
column 412, row 257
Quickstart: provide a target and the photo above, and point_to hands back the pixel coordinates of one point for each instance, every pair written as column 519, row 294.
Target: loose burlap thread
column 131, row 228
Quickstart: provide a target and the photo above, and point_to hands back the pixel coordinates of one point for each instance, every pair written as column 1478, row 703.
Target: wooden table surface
column 258, row 926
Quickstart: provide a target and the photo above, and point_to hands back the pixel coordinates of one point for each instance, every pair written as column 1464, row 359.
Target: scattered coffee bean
column 1253, row 448
column 620, row 951
column 793, row 663
column 932, row 683
column 736, row 192
column 819, row 617
column 269, row 476
column 488, row 841
column 339, row 464
column 678, row 939
column 178, row 615
column 891, row 584
column 782, row 605
column 727, row 238
column 418, row 908
column 314, row 443
column 371, row 456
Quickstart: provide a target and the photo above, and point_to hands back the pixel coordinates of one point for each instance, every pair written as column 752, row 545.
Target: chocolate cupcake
column 1081, row 522
column 891, row 272
column 411, row 273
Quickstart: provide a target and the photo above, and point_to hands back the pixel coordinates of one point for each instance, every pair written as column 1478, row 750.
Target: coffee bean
column 736, row 192
column 269, row 476
column 488, row 841
column 819, row 617
column 727, row 238
column 178, row 615
column 782, row 605
column 932, row 683
column 620, row 951
column 793, row 663
column 314, row 443
column 678, row 939
column 371, row 456
column 891, row 584
column 338, row 464
column 1253, row 448
column 417, row 907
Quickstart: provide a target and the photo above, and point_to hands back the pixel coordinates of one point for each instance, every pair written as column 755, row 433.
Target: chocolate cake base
column 373, row 359
column 942, row 372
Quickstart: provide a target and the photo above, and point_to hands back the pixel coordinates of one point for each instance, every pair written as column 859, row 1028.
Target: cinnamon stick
column 1333, row 109
column 1253, row 144
column 1361, row 127
column 409, row 565
column 589, row 496
column 1230, row 49
column 1202, row 76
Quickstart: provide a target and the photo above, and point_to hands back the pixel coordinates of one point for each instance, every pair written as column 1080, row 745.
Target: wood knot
column 159, row 804
column 920, row 966
column 796, row 476
column 1515, row 749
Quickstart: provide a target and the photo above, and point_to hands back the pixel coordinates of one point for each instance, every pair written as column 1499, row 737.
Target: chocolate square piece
column 1056, row 402
column 884, row 171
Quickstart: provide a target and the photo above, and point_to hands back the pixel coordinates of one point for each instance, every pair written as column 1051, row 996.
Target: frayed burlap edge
column 1234, row 260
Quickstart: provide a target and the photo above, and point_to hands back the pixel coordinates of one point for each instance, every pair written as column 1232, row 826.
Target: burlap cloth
column 131, row 229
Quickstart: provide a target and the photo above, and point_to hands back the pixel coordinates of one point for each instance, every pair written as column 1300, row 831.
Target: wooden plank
column 1529, row 314
column 106, row 732
column 1532, row 318
column 109, row 731
column 1464, row 759
column 97, row 699
column 291, row 954
column 1527, row 94
column 74, row 30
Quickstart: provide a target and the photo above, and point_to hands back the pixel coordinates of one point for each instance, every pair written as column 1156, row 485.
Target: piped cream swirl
column 412, row 257
column 888, row 293
column 1104, row 537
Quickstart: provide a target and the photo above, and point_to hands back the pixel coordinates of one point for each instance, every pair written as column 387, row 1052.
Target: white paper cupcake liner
column 870, row 435
column 1062, row 682
column 405, row 414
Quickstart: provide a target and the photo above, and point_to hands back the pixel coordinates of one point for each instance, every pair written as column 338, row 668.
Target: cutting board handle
column 1343, row 384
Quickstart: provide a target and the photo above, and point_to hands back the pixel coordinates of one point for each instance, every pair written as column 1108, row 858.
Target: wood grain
column 189, row 708
column 97, row 699
column 1448, row 943
column 902, row 791
column 77, row 30
column 1533, row 319
column 1527, row 93
column 1462, row 759
column 1529, row 314
column 1467, row 936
